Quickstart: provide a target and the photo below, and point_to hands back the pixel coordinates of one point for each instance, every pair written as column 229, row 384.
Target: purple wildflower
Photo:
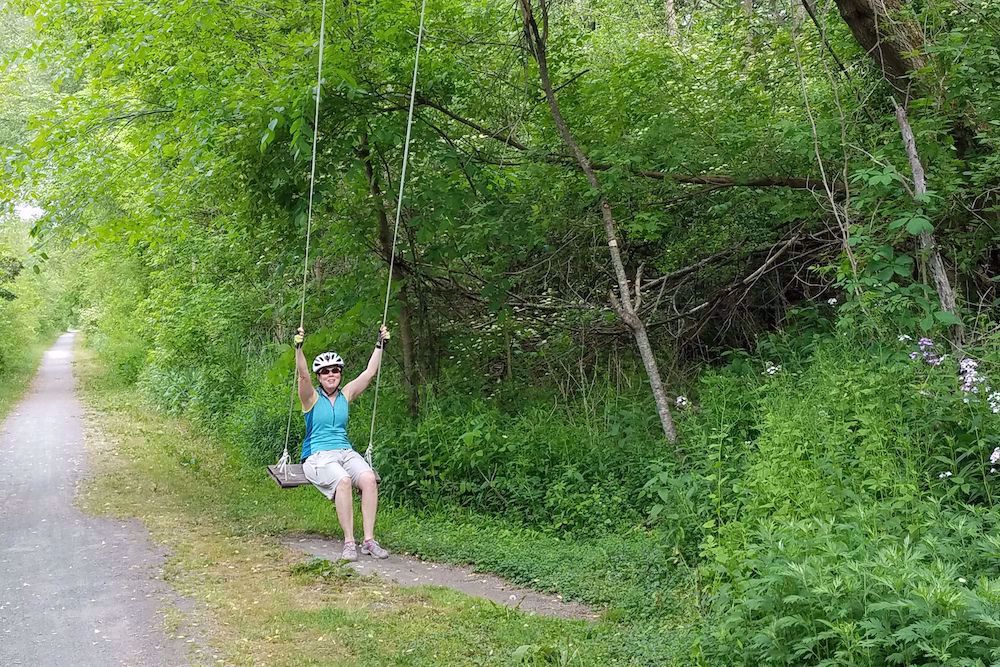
column 927, row 352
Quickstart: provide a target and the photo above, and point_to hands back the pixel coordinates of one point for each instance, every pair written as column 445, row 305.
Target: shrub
column 893, row 583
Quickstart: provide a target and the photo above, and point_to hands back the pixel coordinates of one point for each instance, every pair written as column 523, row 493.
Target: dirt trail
column 410, row 571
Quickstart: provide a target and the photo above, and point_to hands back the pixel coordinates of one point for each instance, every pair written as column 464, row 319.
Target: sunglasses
column 328, row 370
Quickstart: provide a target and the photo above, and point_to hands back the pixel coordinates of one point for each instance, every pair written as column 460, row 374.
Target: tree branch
column 713, row 180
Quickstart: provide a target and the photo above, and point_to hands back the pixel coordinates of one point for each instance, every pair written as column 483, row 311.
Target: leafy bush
column 554, row 468
column 900, row 582
column 258, row 420
column 854, row 523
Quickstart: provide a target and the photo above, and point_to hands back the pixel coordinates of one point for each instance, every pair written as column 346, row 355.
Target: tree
column 628, row 298
column 897, row 46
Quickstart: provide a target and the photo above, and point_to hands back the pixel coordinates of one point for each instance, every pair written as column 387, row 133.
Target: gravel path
column 74, row 589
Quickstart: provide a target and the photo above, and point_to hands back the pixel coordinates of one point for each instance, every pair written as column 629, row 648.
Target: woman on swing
column 328, row 459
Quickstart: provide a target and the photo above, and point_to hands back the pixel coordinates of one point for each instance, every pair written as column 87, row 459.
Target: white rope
column 312, row 171
column 285, row 458
column 399, row 209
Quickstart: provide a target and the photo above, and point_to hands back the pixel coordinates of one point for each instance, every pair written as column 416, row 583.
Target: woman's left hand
column 383, row 336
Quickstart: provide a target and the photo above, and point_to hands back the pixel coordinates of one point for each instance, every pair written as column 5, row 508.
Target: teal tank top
column 326, row 425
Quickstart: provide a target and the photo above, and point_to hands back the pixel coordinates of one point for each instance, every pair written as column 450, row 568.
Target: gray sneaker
column 350, row 552
column 373, row 549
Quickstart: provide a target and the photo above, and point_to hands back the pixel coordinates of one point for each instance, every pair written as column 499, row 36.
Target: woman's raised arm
column 307, row 393
column 354, row 388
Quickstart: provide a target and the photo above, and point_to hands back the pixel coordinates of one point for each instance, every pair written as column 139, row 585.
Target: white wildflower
column 971, row 378
column 994, row 401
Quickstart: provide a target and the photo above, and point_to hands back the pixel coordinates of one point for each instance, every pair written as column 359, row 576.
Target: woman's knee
column 367, row 482
column 343, row 486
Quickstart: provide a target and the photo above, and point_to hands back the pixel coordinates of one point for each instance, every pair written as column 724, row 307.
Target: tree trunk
column 799, row 14
column 896, row 46
column 671, row 17
column 406, row 337
column 408, row 345
column 890, row 42
column 427, row 359
column 625, row 304
column 946, row 295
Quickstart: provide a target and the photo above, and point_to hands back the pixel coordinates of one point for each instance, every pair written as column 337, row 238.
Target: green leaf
column 521, row 652
column 945, row 317
column 918, row 224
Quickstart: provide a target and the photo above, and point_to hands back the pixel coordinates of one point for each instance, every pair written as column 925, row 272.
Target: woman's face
column 329, row 378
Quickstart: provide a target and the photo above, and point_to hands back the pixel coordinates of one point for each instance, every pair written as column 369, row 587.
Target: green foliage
column 896, row 582
column 567, row 468
column 323, row 570
column 33, row 305
column 544, row 654
column 848, row 528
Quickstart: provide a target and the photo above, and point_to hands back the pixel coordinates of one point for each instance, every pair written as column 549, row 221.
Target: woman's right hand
column 300, row 337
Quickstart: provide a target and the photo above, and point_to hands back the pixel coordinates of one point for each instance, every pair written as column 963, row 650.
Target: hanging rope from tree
column 399, row 209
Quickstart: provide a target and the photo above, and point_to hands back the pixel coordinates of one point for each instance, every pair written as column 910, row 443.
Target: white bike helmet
column 327, row 359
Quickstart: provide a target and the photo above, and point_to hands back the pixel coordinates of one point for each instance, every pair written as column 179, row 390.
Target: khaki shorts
column 325, row 469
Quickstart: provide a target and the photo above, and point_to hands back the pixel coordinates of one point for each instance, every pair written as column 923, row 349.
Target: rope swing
column 399, row 208
column 285, row 473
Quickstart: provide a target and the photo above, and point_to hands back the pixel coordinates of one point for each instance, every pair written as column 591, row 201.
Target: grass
column 16, row 377
column 258, row 603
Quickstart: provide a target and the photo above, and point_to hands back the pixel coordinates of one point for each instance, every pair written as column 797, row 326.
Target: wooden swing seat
column 295, row 476
column 291, row 477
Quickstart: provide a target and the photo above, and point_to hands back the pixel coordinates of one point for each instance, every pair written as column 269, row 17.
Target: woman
column 328, row 459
